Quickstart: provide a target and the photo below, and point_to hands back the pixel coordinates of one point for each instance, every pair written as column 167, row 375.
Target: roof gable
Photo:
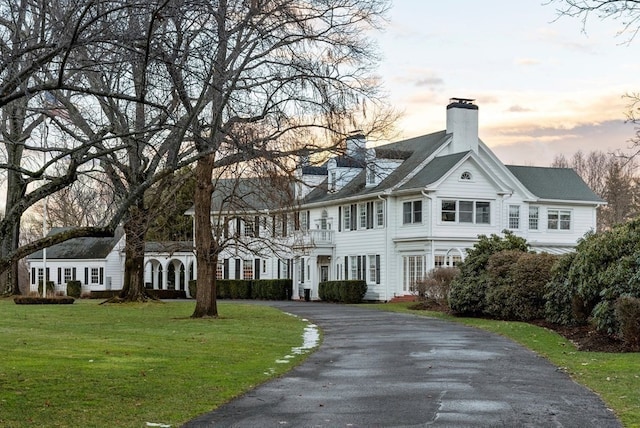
column 554, row 183
column 80, row 248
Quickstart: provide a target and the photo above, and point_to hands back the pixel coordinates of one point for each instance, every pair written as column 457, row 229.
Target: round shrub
column 468, row 290
column 74, row 289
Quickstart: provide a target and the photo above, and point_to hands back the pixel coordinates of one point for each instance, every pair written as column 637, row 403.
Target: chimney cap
column 467, row 103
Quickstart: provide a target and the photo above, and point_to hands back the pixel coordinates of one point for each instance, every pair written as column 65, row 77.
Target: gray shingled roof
column 80, row 248
column 413, row 152
column 168, row 246
column 252, row 194
column 554, row 183
column 433, row 171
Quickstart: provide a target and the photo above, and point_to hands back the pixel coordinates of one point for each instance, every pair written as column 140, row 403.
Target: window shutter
column 33, row 275
column 73, row 274
column 359, row 267
column 101, row 276
column 354, row 217
column 289, row 267
column 47, row 276
column 302, row 262
column 237, row 268
column 339, row 219
column 346, row 267
column 257, row 226
column 256, row 274
column 279, row 261
column 225, row 269
column 59, row 275
column 86, row 275
column 369, row 215
column 377, row 268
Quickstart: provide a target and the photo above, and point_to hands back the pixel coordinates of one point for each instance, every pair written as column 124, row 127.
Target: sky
column 545, row 85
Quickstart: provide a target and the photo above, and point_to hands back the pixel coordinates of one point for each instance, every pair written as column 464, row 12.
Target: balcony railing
column 313, row 238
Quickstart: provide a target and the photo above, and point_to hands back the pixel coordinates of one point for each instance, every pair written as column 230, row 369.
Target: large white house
column 389, row 214
column 385, row 214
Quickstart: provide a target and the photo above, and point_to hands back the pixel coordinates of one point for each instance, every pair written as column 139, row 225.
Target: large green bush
column 351, row 291
column 562, row 303
column 468, row 290
column 74, row 289
column 627, row 311
column 606, row 266
column 517, row 284
column 265, row 289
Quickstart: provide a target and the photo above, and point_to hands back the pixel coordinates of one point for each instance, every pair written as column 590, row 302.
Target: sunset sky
column 543, row 85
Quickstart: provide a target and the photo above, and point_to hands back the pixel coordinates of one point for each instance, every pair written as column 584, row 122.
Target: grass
column 94, row 365
column 615, row 377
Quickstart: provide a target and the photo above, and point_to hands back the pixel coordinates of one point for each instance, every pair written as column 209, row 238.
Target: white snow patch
column 155, row 424
column 310, row 339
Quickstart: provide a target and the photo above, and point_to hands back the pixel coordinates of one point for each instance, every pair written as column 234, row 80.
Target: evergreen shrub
column 350, row 291
column 74, row 289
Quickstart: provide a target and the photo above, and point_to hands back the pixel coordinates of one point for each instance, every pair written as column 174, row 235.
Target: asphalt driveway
column 381, row 369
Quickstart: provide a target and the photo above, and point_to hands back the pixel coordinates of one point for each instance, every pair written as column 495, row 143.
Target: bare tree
column 287, row 73
column 610, row 176
column 39, row 45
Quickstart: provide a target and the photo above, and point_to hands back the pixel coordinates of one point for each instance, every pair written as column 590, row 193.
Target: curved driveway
column 382, row 369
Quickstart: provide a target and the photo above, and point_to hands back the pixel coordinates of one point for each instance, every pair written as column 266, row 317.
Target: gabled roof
column 412, row 152
column 434, row 170
column 168, row 246
column 251, row 194
column 554, row 183
column 80, row 248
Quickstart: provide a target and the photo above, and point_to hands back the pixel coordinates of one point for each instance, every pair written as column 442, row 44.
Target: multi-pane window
column 362, row 208
column 40, row 275
column 441, row 261
column 559, row 219
column 249, row 228
column 247, row 269
column 379, row 213
column 412, row 270
column 514, row 216
column 534, row 215
column 478, row 212
column 67, row 275
column 95, row 275
column 347, row 218
column 358, row 267
column 374, row 269
column 412, row 212
column 220, row 270
column 371, row 173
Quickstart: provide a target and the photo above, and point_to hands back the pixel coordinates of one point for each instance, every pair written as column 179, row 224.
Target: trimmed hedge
column 58, row 300
column 258, row 289
column 74, row 288
column 352, row 291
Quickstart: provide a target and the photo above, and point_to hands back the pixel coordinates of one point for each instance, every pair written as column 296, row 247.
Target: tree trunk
column 135, row 228
column 206, row 247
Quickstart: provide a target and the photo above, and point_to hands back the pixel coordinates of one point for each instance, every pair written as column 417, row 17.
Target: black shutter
column 225, row 270
column 257, row 226
column 86, row 275
column 339, row 219
column 47, row 277
column 279, row 261
column 73, row 274
column 238, row 230
column 226, row 228
column 354, row 216
column 308, row 214
column 59, row 275
column 102, row 276
column 256, row 274
column 346, row 267
column 284, row 224
column 369, row 215
column 302, row 270
column 238, row 271
column 377, row 268
column 359, row 258
column 289, row 268
column 273, row 225
column 33, row 275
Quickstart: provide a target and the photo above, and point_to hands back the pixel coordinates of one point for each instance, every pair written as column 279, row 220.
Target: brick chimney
column 462, row 122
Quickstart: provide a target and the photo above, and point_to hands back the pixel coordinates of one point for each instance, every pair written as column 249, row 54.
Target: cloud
column 518, row 109
column 527, row 61
column 429, row 81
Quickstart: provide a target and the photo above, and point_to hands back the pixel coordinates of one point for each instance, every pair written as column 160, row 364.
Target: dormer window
column 371, row 173
column 465, row 176
column 332, row 181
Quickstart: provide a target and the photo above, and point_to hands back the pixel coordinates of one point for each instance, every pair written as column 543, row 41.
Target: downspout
column 431, row 217
column 384, row 200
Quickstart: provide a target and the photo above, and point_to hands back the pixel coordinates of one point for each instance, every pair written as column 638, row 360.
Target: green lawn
column 94, row 365
column 615, row 377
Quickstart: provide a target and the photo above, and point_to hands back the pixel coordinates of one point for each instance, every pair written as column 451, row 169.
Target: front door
column 324, row 273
